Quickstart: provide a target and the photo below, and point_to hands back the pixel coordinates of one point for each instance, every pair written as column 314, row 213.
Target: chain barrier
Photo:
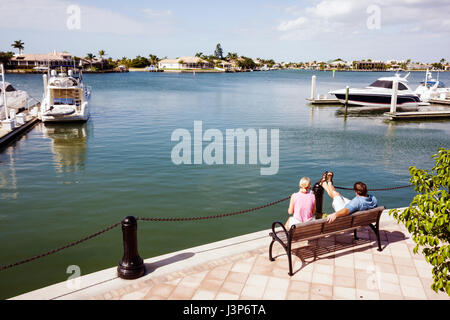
column 215, row 216
column 142, row 219
column 170, row 220
column 380, row 189
column 60, row 248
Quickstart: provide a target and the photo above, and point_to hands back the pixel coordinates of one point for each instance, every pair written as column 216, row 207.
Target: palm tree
column 153, row 59
column 101, row 53
column 18, row 44
column 90, row 57
column 232, row 56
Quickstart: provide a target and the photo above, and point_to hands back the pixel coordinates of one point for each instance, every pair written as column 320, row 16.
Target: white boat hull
column 376, row 98
column 81, row 115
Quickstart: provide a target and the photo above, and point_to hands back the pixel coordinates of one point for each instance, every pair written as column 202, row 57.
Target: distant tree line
column 216, row 58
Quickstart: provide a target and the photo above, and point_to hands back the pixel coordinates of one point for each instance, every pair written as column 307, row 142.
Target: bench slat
column 302, row 232
column 339, row 224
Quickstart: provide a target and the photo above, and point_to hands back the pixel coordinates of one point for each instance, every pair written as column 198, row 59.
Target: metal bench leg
column 270, row 250
column 355, row 235
column 376, row 230
column 289, row 255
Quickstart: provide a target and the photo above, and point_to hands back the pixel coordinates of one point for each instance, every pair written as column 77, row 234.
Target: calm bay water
column 60, row 183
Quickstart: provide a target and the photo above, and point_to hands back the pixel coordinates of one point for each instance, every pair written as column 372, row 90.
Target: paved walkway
column 337, row 267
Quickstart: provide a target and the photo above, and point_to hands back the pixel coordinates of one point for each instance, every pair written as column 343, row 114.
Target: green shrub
column 427, row 217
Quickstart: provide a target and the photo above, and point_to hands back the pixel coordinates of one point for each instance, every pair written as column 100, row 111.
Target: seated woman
column 302, row 205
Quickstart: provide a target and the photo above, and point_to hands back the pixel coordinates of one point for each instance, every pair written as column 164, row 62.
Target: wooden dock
column 371, row 110
column 7, row 136
column 424, row 115
column 323, row 101
column 440, row 101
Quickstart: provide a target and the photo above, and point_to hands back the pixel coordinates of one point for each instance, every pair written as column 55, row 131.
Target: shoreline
column 25, row 71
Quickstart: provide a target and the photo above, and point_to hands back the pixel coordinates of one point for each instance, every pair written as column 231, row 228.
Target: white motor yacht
column 66, row 98
column 432, row 88
column 379, row 93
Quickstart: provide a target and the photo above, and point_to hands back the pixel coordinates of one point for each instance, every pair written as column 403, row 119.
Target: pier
column 440, row 101
column 26, row 122
column 418, row 115
column 320, row 99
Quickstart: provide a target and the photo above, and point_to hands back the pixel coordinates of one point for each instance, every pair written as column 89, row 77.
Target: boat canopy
column 387, row 84
column 431, row 83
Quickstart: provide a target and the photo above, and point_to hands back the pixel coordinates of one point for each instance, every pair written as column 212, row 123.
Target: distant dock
column 323, row 101
column 416, row 115
column 440, row 101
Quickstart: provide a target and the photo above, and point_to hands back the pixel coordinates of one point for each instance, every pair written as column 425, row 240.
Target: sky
column 285, row 30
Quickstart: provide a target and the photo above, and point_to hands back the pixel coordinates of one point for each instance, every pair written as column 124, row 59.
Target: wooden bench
column 315, row 229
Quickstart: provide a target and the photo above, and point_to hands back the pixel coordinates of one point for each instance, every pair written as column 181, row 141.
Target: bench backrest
column 322, row 227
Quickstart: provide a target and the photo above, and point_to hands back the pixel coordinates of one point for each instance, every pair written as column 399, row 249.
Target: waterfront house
column 370, row 65
column 419, row 66
column 28, row 61
column 185, row 63
column 339, row 64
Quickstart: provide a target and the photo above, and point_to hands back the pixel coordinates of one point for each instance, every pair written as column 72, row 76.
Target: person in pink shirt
column 302, row 205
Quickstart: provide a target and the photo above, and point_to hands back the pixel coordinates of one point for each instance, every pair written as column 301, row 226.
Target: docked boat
column 379, row 93
column 16, row 100
column 432, row 89
column 66, row 98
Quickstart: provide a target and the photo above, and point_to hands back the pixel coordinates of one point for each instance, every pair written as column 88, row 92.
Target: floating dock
column 7, row 136
column 372, row 110
column 440, row 101
column 323, row 101
column 418, row 115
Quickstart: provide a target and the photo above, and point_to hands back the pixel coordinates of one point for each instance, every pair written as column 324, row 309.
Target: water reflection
column 8, row 178
column 68, row 146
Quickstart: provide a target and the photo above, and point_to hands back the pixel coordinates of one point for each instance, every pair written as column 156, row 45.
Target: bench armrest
column 274, row 232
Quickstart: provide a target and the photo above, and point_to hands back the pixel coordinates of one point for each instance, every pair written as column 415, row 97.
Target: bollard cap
column 129, row 220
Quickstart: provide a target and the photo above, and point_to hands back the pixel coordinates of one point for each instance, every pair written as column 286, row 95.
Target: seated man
column 344, row 206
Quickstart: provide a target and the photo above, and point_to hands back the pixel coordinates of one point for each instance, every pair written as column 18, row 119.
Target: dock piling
column 131, row 266
column 313, row 87
column 394, row 97
column 347, row 89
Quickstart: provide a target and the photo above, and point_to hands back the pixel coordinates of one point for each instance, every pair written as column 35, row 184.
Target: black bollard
column 318, row 193
column 131, row 266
